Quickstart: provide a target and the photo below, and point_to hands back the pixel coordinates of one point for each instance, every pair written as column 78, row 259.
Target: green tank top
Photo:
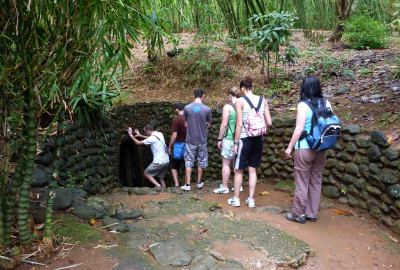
column 230, row 129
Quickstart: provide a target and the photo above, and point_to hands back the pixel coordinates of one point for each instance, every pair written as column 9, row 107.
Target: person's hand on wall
column 170, row 150
column 129, row 131
column 137, row 133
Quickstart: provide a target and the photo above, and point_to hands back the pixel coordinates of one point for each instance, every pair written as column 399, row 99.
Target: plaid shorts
column 199, row 151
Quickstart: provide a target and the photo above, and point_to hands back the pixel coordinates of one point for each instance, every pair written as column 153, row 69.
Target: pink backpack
column 255, row 120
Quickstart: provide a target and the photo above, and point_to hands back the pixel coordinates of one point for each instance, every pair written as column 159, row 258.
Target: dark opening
column 130, row 169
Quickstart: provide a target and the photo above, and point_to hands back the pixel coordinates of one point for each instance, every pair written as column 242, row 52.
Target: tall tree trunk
column 48, row 233
column 23, row 203
column 344, row 9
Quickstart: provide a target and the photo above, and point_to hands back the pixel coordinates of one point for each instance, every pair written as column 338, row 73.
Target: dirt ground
column 337, row 241
column 369, row 75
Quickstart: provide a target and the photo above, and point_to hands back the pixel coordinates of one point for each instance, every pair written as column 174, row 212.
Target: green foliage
column 364, row 72
column 202, row 65
column 274, row 32
column 80, row 232
column 363, row 32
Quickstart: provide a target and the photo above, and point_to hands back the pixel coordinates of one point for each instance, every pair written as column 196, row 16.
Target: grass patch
column 80, row 232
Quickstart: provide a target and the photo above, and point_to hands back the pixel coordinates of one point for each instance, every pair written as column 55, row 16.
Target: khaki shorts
column 157, row 170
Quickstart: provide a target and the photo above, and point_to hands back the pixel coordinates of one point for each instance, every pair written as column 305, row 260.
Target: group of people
column 244, row 123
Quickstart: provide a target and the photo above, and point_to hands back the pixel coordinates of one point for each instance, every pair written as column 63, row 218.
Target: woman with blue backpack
column 317, row 129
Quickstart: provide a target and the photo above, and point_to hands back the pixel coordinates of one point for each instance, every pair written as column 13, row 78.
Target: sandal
column 291, row 217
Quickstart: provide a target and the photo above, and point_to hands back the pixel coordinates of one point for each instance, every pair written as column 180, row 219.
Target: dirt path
column 337, row 241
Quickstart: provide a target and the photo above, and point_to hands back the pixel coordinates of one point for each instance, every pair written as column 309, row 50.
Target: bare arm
column 300, row 123
column 239, row 123
column 171, row 143
column 267, row 115
column 224, row 124
column 140, row 135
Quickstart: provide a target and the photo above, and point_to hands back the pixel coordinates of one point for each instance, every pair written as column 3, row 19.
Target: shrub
column 364, row 33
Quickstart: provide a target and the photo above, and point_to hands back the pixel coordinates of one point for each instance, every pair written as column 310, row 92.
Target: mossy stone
column 396, row 227
column 374, row 154
column 353, row 190
column 364, row 171
column 360, row 159
column 340, row 166
column 374, row 168
column 330, row 153
column 373, row 190
column 375, row 212
column 363, row 142
column 379, row 138
column 331, row 192
column 389, row 176
column 352, row 168
column 393, row 191
column 352, row 129
column 348, row 179
column 351, row 148
column 348, row 138
column 385, row 198
column 344, row 156
column 330, row 163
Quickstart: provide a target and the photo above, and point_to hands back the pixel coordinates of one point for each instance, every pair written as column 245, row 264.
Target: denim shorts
column 193, row 151
column 227, row 149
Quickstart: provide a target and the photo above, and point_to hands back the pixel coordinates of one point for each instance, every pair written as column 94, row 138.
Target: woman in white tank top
column 247, row 148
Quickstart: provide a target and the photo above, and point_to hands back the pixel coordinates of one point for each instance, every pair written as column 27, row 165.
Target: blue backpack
column 325, row 127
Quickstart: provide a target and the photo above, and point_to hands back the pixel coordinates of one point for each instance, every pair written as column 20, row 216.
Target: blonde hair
column 234, row 91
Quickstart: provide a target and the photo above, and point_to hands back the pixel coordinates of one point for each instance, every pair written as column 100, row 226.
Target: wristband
column 235, row 142
column 220, row 140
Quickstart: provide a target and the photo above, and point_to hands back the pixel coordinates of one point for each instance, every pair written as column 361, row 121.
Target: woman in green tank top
column 225, row 138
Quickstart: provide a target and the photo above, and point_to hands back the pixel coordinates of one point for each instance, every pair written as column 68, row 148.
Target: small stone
column 330, row 163
column 389, row 176
column 273, row 209
column 379, row 138
column 340, row 166
column 374, row 168
column 374, row 190
column 350, row 147
column 393, row 191
column 385, row 198
column 374, row 154
column 393, row 118
column 170, row 254
column 343, row 200
column 343, row 91
column 330, row 153
column 360, row 159
column 344, row 156
column 392, row 154
column 351, row 168
column 348, row 138
column 375, row 212
column 348, row 179
column 352, row 129
column 331, row 192
column 363, row 142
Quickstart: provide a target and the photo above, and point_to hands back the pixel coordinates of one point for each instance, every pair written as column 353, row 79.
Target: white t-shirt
column 158, row 147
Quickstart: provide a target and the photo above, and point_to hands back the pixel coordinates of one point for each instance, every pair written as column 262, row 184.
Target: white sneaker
column 185, row 187
column 221, row 190
column 241, row 188
column 200, row 184
column 251, row 202
column 234, row 202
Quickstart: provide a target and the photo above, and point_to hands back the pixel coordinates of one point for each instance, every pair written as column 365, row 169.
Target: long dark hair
column 311, row 89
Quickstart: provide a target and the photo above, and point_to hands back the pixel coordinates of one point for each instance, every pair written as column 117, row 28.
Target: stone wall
column 88, row 159
column 362, row 170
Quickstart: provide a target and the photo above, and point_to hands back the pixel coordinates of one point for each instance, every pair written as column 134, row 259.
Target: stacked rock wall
column 88, row 159
column 362, row 170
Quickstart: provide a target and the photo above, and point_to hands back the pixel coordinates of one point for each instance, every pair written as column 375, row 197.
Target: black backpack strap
column 229, row 127
column 165, row 146
column 249, row 102
column 259, row 104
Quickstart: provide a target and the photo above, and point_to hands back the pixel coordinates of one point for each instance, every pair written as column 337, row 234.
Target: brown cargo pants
column 308, row 167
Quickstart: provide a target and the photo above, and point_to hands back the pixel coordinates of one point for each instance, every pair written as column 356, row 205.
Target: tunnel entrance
column 130, row 168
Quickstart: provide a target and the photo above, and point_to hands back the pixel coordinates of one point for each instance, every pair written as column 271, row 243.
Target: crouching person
column 159, row 166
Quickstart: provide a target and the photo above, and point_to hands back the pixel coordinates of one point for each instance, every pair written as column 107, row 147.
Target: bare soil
column 374, row 90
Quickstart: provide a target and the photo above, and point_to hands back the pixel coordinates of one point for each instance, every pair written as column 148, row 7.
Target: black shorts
column 176, row 164
column 249, row 152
